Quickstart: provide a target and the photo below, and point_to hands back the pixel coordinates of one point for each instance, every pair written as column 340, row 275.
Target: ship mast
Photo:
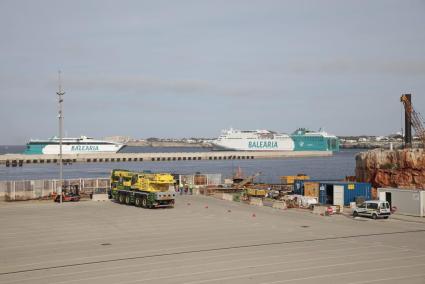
column 60, row 94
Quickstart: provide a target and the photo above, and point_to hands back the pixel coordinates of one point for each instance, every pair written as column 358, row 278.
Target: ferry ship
column 307, row 140
column 253, row 140
column 265, row 140
column 82, row 145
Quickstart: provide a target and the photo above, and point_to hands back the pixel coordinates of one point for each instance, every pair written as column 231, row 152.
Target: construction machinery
column 247, row 180
column 256, row 192
column 142, row 189
column 412, row 118
column 70, row 193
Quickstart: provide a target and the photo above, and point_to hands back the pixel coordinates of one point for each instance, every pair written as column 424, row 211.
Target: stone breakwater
column 384, row 168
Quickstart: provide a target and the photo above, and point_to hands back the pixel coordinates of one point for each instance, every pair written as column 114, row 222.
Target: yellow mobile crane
column 412, row 118
column 143, row 189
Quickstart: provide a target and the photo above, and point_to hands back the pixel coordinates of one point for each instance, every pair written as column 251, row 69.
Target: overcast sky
column 191, row 68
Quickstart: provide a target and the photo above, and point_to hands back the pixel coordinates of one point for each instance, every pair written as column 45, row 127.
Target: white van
column 374, row 209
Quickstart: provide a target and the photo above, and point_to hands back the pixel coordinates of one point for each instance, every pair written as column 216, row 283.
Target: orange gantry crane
column 414, row 119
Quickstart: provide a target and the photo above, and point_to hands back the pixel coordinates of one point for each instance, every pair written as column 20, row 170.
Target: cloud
column 337, row 66
column 149, row 85
column 135, row 83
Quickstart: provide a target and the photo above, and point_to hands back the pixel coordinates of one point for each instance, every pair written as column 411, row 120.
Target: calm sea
column 338, row 166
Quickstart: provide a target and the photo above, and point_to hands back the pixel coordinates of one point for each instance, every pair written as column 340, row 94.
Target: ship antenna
column 60, row 94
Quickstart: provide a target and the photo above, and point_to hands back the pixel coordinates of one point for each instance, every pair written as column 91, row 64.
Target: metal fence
column 200, row 179
column 39, row 189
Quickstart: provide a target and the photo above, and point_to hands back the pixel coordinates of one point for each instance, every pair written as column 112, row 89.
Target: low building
column 404, row 201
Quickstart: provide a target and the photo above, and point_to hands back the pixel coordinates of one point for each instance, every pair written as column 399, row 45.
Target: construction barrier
column 39, row 189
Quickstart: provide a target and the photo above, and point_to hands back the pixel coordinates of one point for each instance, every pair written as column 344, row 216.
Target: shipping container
column 291, row 179
column 406, row 201
column 311, row 189
column 342, row 193
column 299, row 185
column 256, row 192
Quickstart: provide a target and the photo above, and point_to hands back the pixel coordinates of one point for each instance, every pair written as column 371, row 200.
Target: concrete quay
column 21, row 159
column 202, row 240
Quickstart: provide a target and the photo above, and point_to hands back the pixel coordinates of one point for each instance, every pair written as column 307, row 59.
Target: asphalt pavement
column 202, row 240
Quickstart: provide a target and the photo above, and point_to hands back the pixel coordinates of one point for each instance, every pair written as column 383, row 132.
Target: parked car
column 374, row 209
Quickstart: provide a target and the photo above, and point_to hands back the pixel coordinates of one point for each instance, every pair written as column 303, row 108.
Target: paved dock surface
column 202, row 240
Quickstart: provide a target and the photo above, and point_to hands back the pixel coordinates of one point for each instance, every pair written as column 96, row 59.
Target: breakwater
column 16, row 160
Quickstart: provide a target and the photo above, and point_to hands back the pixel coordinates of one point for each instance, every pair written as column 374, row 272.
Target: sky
column 192, row 68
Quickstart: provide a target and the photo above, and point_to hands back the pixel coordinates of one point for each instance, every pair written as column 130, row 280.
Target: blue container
column 299, row 184
column 352, row 191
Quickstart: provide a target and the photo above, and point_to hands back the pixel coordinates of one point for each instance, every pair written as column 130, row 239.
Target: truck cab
column 374, row 209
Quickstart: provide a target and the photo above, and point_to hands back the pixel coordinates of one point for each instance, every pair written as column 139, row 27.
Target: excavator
column 414, row 119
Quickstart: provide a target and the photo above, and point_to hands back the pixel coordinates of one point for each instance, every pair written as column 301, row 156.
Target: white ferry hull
column 81, row 149
column 82, row 145
column 256, row 145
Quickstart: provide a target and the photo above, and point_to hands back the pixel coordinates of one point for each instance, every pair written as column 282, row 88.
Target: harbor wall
column 21, row 159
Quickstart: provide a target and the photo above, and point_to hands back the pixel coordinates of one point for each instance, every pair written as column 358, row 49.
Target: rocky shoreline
column 403, row 168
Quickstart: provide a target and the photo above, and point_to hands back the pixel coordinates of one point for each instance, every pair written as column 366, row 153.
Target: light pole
column 60, row 94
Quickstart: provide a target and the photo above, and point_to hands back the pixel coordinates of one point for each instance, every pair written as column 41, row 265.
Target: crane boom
column 414, row 118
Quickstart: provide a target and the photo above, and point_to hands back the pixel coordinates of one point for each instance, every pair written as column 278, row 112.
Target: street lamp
column 60, row 94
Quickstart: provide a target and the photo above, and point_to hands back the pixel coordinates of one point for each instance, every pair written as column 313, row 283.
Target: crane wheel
column 127, row 199
column 121, row 198
column 138, row 202
column 144, row 202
